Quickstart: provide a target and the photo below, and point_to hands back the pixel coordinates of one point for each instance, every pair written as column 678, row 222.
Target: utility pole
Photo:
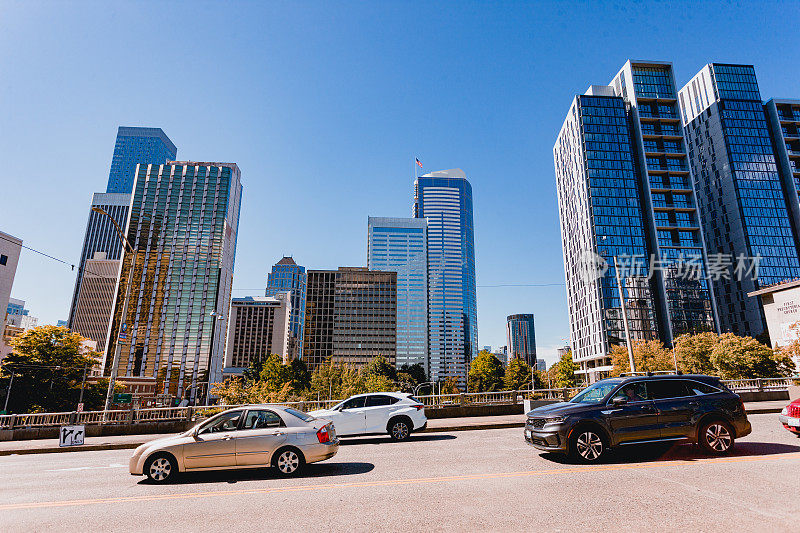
column 83, row 384
column 624, row 317
column 8, row 392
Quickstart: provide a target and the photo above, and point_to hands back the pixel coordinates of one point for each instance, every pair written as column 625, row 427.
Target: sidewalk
column 440, row 425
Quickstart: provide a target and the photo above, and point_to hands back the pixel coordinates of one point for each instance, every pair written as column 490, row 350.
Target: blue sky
column 324, row 106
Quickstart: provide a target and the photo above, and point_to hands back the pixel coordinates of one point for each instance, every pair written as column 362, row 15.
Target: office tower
column 16, row 307
column 601, row 218
column 742, row 200
column 100, row 236
column 521, row 338
column 400, row 245
column 259, row 327
column 287, row 275
column 137, row 146
column 351, row 316
column 684, row 304
column 541, row 365
column 487, row 348
column 183, row 227
column 93, row 308
column 10, row 247
column 444, row 198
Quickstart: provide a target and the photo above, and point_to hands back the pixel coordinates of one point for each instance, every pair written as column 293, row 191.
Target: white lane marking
column 76, row 468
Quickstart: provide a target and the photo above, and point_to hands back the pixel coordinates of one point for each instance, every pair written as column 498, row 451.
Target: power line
column 71, row 265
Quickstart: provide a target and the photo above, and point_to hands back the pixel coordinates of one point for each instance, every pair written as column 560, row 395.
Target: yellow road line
column 411, row 481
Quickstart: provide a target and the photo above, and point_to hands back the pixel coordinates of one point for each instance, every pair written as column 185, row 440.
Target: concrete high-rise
column 521, row 337
column 444, row 198
column 746, row 208
column 287, row 275
column 259, row 327
column 135, row 146
column 183, row 228
column 351, row 316
column 400, row 245
column 93, row 308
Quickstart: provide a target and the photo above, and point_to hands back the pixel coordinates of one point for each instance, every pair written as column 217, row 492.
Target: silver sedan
column 244, row 437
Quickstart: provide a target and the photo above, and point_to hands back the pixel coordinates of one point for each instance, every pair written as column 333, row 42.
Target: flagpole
column 415, row 168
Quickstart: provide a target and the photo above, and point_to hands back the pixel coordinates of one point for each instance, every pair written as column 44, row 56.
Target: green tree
column 517, row 375
column 379, row 366
column 737, row 357
column 299, row 376
column 485, row 373
column 408, row 377
column 563, row 372
column 693, row 352
column 48, row 363
column 649, row 356
column 274, row 373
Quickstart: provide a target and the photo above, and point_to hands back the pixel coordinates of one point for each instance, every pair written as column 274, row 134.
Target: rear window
column 380, row 399
column 699, row 388
column 667, row 388
column 299, row 414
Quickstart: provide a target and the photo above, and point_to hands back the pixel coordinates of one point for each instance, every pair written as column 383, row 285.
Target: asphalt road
column 486, row 480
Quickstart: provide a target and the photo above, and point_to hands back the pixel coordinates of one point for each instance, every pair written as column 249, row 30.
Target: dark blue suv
column 617, row 412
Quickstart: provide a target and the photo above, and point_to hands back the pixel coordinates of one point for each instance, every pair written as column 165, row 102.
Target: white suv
column 395, row 413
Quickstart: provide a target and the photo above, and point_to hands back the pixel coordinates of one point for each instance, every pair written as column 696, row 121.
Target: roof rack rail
column 651, row 373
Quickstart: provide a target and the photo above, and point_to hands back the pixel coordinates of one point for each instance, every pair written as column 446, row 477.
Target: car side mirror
column 619, row 400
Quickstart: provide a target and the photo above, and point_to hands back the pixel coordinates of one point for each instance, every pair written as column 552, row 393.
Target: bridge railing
column 433, row 401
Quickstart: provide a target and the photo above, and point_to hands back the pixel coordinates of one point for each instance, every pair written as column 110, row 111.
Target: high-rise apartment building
column 259, row 327
column 93, row 308
column 183, row 227
column 521, row 338
column 136, row 146
column 10, row 247
column 287, row 275
column 783, row 116
column 601, row 218
column 400, row 245
column 100, row 237
column 743, row 201
column 351, row 316
column 444, row 198
column 18, row 316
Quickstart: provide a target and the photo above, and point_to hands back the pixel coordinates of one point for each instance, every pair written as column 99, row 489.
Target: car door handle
column 649, row 408
column 227, row 437
column 278, row 433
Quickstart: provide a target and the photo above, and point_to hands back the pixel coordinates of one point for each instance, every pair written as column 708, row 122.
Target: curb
column 444, row 429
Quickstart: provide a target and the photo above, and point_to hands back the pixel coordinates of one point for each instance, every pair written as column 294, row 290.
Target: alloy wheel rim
column 718, row 437
column 400, row 431
column 589, row 445
column 288, row 462
column 160, row 469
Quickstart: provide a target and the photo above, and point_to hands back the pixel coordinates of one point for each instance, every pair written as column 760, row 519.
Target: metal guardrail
column 189, row 414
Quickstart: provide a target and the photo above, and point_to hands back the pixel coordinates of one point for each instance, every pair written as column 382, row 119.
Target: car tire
column 399, row 429
column 288, row 461
column 587, row 445
column 161, row 468
column 716, row 437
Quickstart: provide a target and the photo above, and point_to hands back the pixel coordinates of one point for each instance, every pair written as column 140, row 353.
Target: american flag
column 419, row 163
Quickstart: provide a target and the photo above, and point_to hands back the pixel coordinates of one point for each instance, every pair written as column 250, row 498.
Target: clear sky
column 324, row 106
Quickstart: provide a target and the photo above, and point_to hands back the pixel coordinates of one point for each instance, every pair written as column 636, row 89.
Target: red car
column 790, row 417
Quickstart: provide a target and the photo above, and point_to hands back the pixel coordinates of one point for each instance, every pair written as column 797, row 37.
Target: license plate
column 794, row 422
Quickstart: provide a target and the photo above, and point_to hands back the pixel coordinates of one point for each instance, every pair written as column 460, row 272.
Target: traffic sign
column 122, row 397
column 71, row 435
column 80, row 407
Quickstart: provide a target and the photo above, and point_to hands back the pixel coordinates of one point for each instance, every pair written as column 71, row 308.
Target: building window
column 3, row 259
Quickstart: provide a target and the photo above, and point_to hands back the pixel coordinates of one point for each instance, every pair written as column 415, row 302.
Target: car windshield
column 299, row 414
column 595, row 393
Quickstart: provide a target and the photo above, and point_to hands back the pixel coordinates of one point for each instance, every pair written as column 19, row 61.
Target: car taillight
column 419, row 407
column 323, row 435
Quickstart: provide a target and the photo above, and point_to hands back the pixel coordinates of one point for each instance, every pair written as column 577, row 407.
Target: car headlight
column 555, row 420
column 784, row 411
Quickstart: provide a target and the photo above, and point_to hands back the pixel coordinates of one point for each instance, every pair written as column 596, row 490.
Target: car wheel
column 587, row 445
column 399, row 429
column 289, row 461
column 716, row 437
column 161, row 468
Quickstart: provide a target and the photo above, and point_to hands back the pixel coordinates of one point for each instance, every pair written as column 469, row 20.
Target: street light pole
column 8, row 392
column 624, row 317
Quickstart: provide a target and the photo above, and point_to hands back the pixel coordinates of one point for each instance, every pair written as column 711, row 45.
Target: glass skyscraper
column 183, row 226
column 400, row 245
column 521, row 337
column 137, row 146
column 444, row 198
column 287, row 275
column 743, row 202
column 601, row 218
